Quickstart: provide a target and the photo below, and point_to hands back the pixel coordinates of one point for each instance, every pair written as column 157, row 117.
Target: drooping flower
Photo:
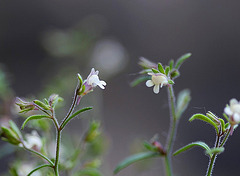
column 233, row 111
column 157, row 80
column 93, row 81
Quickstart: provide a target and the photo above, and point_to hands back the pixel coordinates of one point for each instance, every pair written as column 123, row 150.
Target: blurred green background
column 43, row 44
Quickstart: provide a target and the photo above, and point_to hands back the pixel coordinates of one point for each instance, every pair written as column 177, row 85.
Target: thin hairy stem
column 58, row 142
column 213, row 158
column 72, row 106
column 172, row 131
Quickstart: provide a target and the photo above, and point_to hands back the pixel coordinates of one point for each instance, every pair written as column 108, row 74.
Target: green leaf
column 171, row 64
column 9, row 135
column 174, row 74
column 205, row 119
column 227, row 125
column 167, row 70
column 80, row 80
column 150, row 147
column 134, row 158
column 181, row 60
column 155, row 71
column 217, row 150
column 88, row 172
column 139, row 80
column 226, row 117
column 74, row 115
column 170, row 81
column 222, row 125
column 34, row 117
column 41, row 105
column 160, row 68
column 213, row 117
column 15, row 128
column 191, row 145
column 182, row 102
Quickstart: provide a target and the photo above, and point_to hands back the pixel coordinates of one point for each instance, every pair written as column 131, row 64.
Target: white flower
column 233, row 110
column 25, row 168
column 93, row 80
column 33, row 140
column 158, row 80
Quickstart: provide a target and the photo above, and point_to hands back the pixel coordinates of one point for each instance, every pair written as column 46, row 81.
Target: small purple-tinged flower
column 233, row 111
column 92, row 81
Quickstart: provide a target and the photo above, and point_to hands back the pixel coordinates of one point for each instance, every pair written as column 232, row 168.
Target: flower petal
column 149, row 83
column 156, row 89
column 236, row 117
column 233, row 101
column 103, row 83
column 228, row 111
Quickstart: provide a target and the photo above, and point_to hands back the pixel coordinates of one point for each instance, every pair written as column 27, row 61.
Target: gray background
column 158, row 30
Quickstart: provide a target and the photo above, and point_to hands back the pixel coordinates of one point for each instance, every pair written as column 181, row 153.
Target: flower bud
column 159, row 147
column 147, row 64
column 93, row 132
column 24, row 105
column 11, row 134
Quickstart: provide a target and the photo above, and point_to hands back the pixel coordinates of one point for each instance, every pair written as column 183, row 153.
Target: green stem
column 225, row 138
column 168, row 166
column 172, row 131
column 213, row 158
column 72, row 106
column 39, row 167
column 56, row 169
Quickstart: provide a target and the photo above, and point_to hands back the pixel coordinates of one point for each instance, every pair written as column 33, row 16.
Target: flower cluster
column 233, row 111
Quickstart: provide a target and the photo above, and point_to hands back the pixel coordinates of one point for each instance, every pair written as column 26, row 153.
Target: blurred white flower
column 110, row 57
column 233, row 111
column 157, row 80
column 25, row 168
column 33, row 141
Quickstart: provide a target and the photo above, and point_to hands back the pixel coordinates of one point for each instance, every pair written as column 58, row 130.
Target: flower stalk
column 172, row 131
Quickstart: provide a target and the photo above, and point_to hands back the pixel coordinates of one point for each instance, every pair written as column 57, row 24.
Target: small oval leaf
column 160, row 68
column 155, row 71
column 134, row 158
column 34, row 117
